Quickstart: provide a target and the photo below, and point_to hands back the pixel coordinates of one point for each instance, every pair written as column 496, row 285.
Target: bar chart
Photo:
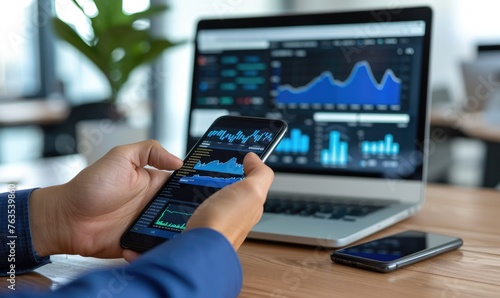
column 175, row 216
column 296, row 143
column 240, row 136
column 381, row 147
column 337, row 153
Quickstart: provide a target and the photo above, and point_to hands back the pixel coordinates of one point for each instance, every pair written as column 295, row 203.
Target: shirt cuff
column 17, row 252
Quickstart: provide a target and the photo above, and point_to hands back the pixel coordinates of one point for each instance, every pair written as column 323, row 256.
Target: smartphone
column 396, row 251
column 214, row 162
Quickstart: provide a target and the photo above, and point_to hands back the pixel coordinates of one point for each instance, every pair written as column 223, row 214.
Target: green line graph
column 175, row 216
column 176, row 212
column 171, row 225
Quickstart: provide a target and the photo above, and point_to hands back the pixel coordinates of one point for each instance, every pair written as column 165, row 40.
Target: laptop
column 353, row 88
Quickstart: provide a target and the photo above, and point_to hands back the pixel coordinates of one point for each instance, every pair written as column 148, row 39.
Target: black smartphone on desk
column 214, row 162
column 395, row 251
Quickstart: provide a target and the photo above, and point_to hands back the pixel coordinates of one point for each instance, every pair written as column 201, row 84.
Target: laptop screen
column 352, row 87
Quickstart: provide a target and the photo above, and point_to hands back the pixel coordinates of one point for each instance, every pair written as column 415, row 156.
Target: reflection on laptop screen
column 349, row 92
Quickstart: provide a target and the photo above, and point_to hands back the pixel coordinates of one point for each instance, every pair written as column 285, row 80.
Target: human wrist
column 49, row 229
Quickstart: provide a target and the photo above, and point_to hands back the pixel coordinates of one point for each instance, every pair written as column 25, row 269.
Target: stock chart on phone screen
column 217, row 162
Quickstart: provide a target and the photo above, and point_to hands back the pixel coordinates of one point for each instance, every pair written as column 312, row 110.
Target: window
column 82, row 81
column 174, row 78
column 19, row 63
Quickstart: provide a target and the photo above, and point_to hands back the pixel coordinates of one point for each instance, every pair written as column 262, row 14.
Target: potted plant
column 116, row 45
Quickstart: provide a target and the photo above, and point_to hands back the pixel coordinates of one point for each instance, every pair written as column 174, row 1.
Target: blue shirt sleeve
column 16, row 249
column 198, row 263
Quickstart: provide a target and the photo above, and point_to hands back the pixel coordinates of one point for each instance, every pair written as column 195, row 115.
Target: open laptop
column 352, row 87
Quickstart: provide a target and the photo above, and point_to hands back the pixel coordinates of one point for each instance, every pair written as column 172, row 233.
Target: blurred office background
column 36, row 66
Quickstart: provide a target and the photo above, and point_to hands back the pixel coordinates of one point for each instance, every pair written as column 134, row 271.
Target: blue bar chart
column 240, row 136
column 296, row 143
column 381, row 147
column 337, row 153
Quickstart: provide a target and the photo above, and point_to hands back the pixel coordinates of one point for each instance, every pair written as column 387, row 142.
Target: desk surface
column 471, row 271
column 471, row 124
column 282, row 270
column 33, row 111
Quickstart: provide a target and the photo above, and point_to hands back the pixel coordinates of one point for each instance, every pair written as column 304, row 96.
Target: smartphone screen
column 214, row 162
column 392, row 252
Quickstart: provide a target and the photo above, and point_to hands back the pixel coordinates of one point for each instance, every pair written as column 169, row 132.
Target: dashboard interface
column 351, row 93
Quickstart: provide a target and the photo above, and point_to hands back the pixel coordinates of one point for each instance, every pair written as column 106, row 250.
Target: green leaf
column 112, row 30
column 110, row 12
column 70, row 36
column 156, row 48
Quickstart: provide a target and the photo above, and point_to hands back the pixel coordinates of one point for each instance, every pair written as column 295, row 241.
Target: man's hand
column 235, row 209
column 88, row 215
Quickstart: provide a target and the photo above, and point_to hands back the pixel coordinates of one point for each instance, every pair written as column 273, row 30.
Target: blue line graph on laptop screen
column 352, row 102
column 359, row 88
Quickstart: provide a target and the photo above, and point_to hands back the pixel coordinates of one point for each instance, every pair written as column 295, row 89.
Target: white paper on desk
column 65, row 268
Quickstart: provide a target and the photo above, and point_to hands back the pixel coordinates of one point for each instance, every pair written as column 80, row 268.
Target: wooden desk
column 470, row 124
column 471, row 271
column 283, row 270
column 33, row 112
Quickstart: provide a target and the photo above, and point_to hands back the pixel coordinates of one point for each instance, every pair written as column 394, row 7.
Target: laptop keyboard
column 319, row 208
